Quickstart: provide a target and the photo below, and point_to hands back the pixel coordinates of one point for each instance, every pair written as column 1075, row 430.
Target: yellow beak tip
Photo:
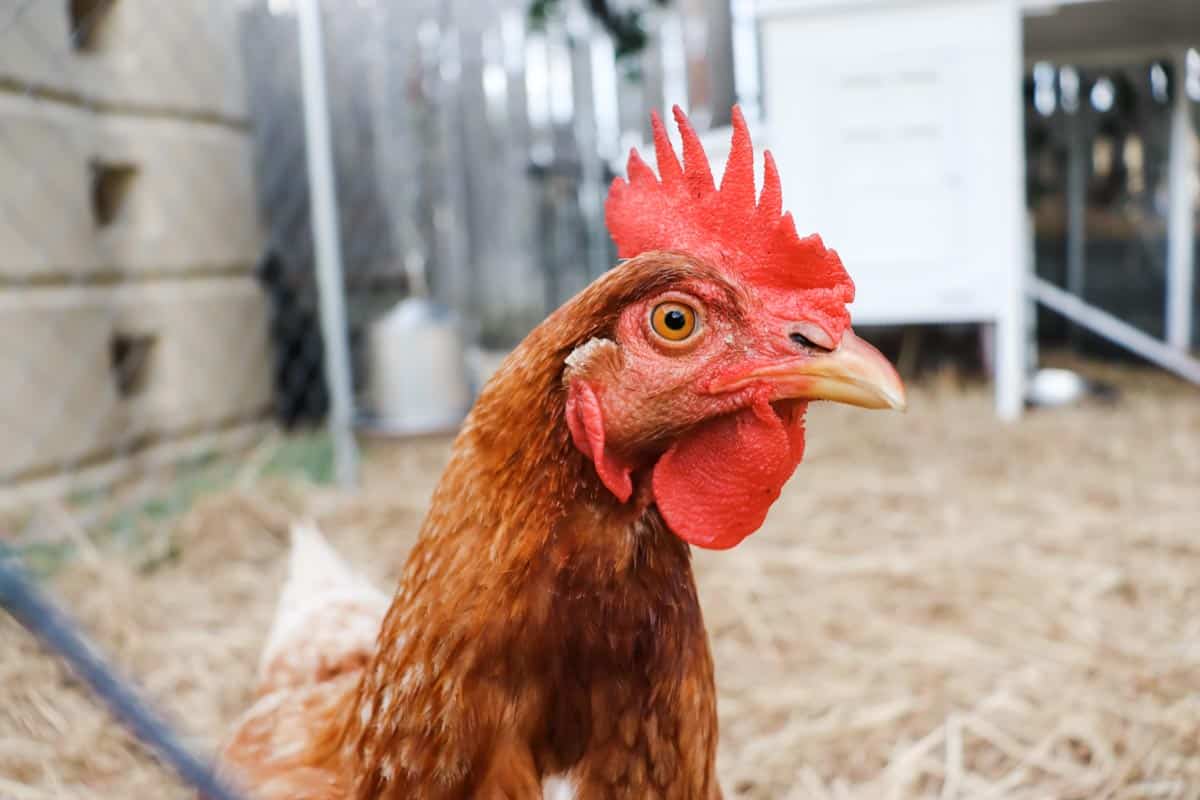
column 897, row 401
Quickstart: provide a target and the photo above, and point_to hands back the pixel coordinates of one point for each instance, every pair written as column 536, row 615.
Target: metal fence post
column 1181, row 211
column 323, row 197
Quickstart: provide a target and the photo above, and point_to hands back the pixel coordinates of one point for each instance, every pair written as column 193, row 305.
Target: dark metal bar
column 20, row 596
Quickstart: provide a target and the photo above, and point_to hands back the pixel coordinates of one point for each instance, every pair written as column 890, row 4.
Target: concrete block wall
column 184, row 199
column 46, row 224
column 178, row 56
column 129, row 315
column 190, row 204
column 206, row 353
column 60, row 404
column 34, row 48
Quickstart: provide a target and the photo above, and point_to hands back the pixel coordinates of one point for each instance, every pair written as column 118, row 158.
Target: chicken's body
column 543, row 633
column 546, row 639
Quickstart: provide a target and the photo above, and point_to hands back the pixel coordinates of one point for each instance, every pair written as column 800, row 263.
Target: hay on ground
column 940, row 606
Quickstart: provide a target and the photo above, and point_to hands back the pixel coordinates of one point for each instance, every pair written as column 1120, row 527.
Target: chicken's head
column 730, row 325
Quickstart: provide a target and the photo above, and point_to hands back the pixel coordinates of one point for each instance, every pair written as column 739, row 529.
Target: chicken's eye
column 673, row 321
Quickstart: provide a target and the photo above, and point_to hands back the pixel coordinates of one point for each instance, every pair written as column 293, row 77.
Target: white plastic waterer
column 418, row 379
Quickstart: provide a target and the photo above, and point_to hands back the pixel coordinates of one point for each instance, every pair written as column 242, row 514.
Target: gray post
column 746, row 80
column 1077, row 178
column 323, row 197
column 1181, row 214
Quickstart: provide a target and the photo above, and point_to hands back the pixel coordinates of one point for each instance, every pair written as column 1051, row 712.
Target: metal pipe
column 1115, row 330
column 20, row 597
column 1077, row 177
column 746, row 60
column 323, row 199
column 1181, row 214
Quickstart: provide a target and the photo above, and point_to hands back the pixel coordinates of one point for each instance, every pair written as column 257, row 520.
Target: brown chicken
column 546, row 640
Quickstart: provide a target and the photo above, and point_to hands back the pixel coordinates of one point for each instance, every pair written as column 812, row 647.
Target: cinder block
column 89, row 372
column 82, row 192
column 181, row 56
column 189, row 204
column 60, row 403
column 46, row 221
column 207, row 359
column 35, row 46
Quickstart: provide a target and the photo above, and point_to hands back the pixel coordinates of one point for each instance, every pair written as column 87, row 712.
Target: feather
column 327, row 618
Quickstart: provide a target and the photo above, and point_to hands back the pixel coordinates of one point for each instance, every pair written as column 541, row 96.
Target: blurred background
column 258, row 256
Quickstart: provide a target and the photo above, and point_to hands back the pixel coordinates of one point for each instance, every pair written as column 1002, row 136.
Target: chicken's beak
column 855, row 373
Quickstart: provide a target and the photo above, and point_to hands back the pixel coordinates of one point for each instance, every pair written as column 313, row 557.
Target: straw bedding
column 940, row 606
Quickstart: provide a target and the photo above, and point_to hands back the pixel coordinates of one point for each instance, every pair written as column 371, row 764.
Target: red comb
column 685, row 212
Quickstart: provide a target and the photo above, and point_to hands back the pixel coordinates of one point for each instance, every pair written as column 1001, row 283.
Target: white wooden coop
column 903, row 148
column 897, row 126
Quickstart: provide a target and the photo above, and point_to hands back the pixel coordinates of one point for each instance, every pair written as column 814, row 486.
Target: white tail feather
column 314, row 566
column 558, row 787
column 327, row 613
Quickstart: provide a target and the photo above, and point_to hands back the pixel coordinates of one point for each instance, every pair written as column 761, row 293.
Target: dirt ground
column 940, row 606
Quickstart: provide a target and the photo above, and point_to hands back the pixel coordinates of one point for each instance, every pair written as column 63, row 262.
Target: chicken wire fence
column 159, row 304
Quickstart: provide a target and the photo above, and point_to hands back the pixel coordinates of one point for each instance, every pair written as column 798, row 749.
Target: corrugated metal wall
column 473, row 149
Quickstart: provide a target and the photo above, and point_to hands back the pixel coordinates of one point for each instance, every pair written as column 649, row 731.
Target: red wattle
column 585, row 421
column 715, row 485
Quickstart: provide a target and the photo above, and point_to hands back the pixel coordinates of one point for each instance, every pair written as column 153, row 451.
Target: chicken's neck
column 553, row 611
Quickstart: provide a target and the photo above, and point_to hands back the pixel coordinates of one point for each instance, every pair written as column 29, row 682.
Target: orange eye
column 673, row 321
